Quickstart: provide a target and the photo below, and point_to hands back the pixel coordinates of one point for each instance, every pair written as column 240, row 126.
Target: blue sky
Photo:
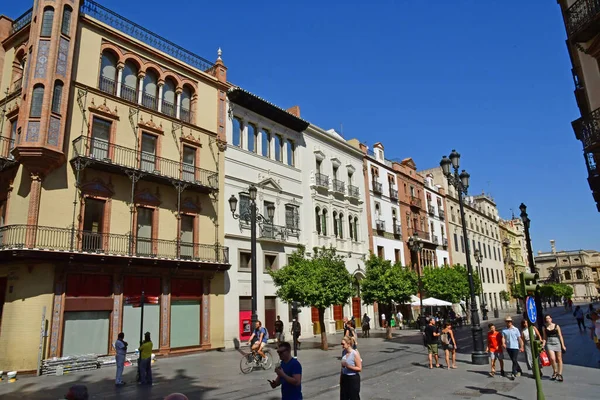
column 490, row 79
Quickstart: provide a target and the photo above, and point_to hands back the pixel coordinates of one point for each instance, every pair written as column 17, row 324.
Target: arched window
column 149, row 98
column 335, row 224
column 356, row 229
column 66, row 21
column 579, row 274
column 324, row 222
column 37, row 99
column 108, row 72
column 186, row 104
column 350, row 227
column 47, row 20
column 317, row 217
column 168, row 103
column 567, row 276
column 341, row 226
column 129, row 82
column 57, row 96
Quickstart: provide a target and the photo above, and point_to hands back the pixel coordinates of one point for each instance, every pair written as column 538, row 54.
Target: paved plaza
column 393, row 369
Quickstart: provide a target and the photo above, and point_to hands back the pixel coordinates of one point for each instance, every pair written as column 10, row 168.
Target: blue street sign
column 531, row 309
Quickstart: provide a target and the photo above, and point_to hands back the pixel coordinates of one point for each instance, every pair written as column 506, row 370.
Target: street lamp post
column 415, row 246
column 516, row 288
column 538, row 299
column 461, row 183
column 482, row 303
column 251, row 213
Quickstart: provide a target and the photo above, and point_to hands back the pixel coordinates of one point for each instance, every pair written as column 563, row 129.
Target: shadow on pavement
column 491, row 391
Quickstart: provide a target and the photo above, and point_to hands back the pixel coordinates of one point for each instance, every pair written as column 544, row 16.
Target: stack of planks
column 70, row 364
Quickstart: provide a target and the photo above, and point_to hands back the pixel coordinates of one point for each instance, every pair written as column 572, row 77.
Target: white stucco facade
column 436, row 218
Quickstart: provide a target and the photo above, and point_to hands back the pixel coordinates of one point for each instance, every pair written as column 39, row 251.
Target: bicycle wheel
column 246, row 364
column 269, row 363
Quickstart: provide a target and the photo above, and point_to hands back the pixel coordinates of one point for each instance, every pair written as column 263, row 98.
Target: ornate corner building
column 583, row 43
column 111, row 183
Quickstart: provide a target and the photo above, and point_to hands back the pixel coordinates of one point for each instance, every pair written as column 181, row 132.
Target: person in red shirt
column 494, row 347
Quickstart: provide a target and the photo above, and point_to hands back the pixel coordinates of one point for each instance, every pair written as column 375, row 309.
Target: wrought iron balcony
column 377, row 187
column 321, row 180
column 419, row 233
column 582, row 20
column 21, row 22
column 431, row 209
column 587, row 129
column 398, row 230
column 441, row 214
column 393, row 193
column 129, row 93
column 339, row 186
column 415, row 201
column 380, row 225
column 46, row 239
column 276, row 233
column 353, row 191
column 7, row 160
column 111, row 157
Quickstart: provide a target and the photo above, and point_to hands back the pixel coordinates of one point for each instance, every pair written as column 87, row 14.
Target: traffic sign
column 531, row 309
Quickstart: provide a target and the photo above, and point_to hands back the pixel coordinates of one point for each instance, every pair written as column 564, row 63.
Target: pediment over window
column 409, row 163
column 146, row 197
column 150, row 125
column 190, row 206
column 336, row 162
column 351, row 168
column 270, row 183
column 319, row 155
column 104, row 110
column 97, row 188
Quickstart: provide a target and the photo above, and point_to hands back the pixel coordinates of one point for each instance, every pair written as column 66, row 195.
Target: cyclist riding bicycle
column 260, row 336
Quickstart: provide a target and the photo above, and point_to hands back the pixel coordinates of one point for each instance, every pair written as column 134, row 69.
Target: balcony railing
column 431, row 210
column 587, row 129
column 321, row 180
column 186, row 115
column 339, row 186
column 107, row 85
column 393, row 193
column 415, row 201
column 397, row 230
column 377, row 187
column 6, row 146
column 441, row 214
column 129, row 93
column 277, row 232
column 380, row 225
column 44, row 238
column 581, row 19
column 168, row 108
column 103, row 14
column 150, row 101
column 21, row 22
column 419, row 233
column 110, row 155
column 353, row 191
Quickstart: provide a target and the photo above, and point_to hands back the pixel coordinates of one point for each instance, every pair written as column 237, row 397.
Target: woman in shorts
column 450, row 345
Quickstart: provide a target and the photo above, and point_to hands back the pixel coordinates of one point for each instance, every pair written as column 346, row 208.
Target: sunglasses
column 281, row 351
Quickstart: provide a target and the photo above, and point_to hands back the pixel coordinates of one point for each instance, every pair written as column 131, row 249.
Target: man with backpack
column 260, row 336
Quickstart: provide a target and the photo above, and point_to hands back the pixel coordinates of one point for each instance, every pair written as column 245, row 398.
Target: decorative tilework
column 42, row 59
column 33, row 131
column 63, row 54
column 54, row 131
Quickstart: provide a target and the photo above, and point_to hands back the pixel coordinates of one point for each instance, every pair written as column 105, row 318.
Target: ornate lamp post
column 478, row 259
column 415, row 246
column 538, row 299
column 461, row 183
column 251, row 214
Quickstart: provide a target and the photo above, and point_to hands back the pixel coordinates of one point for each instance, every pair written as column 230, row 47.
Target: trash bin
column 496, row 313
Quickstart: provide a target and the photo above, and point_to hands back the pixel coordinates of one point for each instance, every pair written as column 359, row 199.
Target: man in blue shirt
column 289, row 374
column 260, row 336
column 513, row 343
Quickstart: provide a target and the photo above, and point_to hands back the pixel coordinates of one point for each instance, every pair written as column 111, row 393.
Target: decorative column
column 161, row 84
column 33, row 214
column 141, row 76
column 165, row 315
column 178, row 91
column 120, row 67
column 205, row 324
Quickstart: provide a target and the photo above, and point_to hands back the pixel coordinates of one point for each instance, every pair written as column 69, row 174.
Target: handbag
column 544, row 358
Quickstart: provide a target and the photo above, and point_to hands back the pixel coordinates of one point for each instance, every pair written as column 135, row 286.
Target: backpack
column 444, row 338
column 265, row 333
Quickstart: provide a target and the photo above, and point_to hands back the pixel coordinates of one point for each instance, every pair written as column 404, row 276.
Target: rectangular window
column 487, row 271
column 237, row 132
column 484, row 251
column 148, row 156
column 495, row 254
column 493, row 278
column 290, row 153
column 490, row 253
column 278, row 148
column 380, row 252
column 397, row 255
column 66, row 21
column 265, row 143
column 37, row 100
column 245, row 260
column 445, row 261
column 462, row 244
column 144, row 231
column 245, row 207
column 187, row 236
column 456, row 242
column 251, row 138
column 270, row 262
column 57, row 97
column 291, row 217
column 100, row 138
column 189, row 163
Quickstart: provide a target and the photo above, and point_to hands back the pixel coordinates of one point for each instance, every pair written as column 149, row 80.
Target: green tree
column 449, row 283
column 319, row 281
column 385, row 283
column 504, row 295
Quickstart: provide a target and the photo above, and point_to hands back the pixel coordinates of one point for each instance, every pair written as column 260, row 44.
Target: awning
column 432, row 302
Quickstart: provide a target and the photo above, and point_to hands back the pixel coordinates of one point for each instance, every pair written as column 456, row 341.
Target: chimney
column 553, row 246
column 294, row 111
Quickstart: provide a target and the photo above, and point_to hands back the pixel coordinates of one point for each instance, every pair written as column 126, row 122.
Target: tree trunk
column 324, row 345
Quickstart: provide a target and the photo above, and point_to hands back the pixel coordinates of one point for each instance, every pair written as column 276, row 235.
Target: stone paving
column 393, row 369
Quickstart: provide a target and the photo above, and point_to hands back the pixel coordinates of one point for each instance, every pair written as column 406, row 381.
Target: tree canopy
column 449, row 283
column 385, row 282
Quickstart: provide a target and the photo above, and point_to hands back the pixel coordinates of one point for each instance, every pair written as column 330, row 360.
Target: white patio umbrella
column 432, row 302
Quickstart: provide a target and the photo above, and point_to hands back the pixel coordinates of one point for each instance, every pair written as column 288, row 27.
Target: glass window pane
column 278, row 148
column 56, row 97
column 37, row 99
column 266, row 143
column 66, row 21
column 251, row 138
column 290, row 152
column 47, row 22
column 148, row 152
column 237, row 133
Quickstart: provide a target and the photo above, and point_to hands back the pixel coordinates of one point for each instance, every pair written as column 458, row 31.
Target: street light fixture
column 479, row 258
column 251, row 214
column 415, row 246
column 461, row 183
column 538, row 298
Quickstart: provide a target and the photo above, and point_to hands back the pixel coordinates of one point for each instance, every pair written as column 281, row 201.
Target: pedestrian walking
column 120, row 354
column 350, row 374
column 392, row 322
column 595, row 329
column 399, row 318
column 350, row 332
column 431, row 341
column 449, row 344
column 145, row 360
column 578, row 314
column 295, row 331
column 495, row 349
column 279, row 336
column 528, row 341
column 513, row 343
column 366, row 325
column 555, row 346
column 289, row 374
column 383, row 323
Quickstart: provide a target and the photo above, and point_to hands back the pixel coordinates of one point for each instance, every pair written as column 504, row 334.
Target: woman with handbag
column 449, row 344
column 555, row 345
column 350, row 374
column 527, row 341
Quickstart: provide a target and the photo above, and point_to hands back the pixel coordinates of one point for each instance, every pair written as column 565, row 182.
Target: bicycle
column 253, row 360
